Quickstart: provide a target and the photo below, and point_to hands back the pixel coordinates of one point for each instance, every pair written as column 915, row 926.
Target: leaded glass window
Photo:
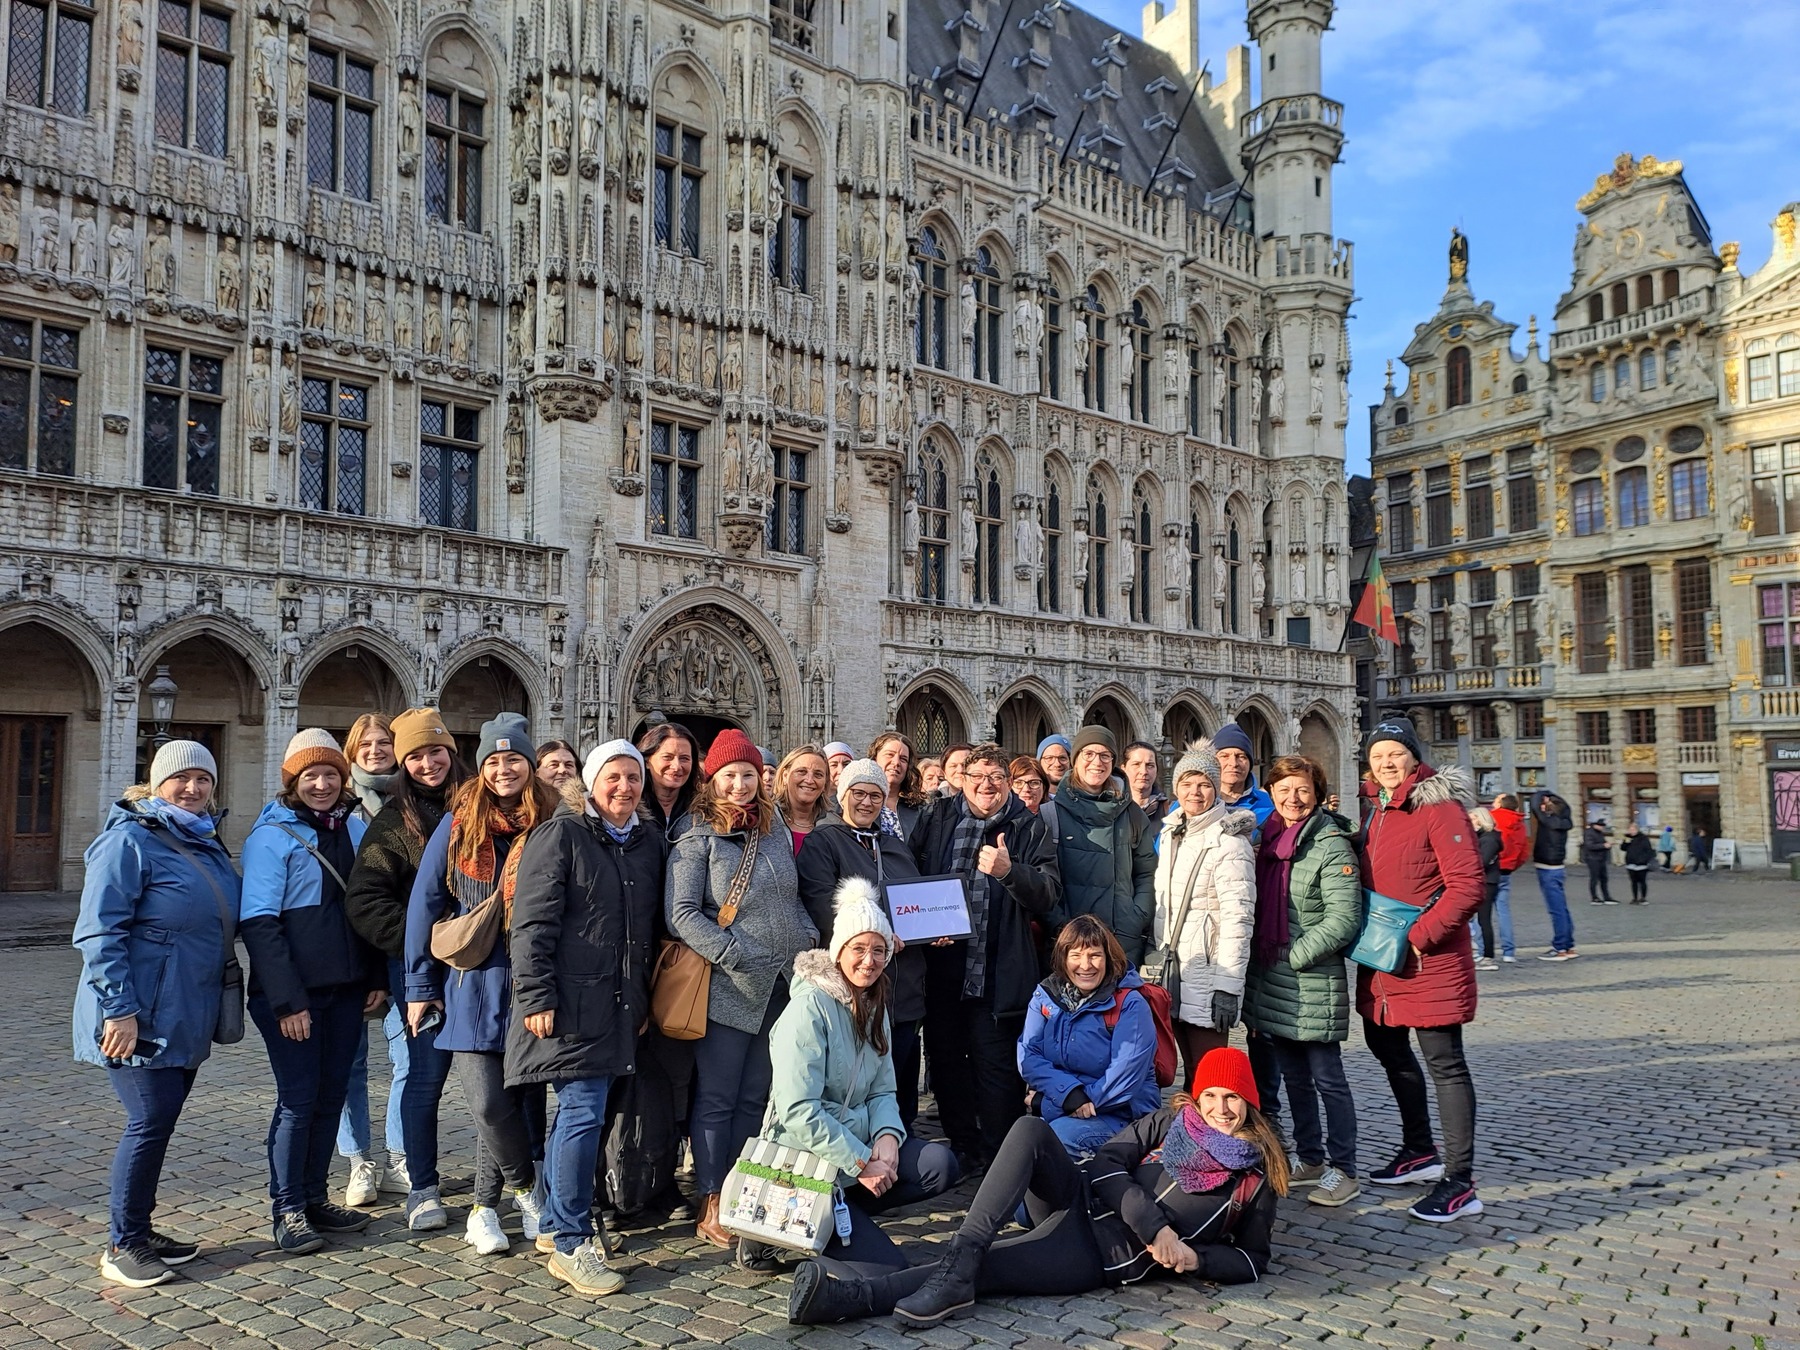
column 790, row 239
column 932, row 497
column 455, row 140
column 334, row 445
column 674, row 480
column 183, row 411
column 193, row 76
column 678, row 179
column 49, row 50
column 38, row 383
column 786, row 531
column 340, row 123
column 449, row 463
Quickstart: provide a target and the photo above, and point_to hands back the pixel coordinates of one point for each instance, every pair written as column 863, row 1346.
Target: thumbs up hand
column 995, row 861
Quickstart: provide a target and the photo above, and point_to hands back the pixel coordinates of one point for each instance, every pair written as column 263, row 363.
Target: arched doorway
column 1022, row 723
column 1106, row 711
column 705, row 729
column 1181, row 728
column 475, row 692
column 219, row 702
column 47, row 743
column 1319, row 743
column 343, row 686
column 707, row 669
column 930, row 720
column 1262, row 738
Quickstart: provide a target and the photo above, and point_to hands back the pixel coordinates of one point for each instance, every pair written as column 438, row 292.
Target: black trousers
column 1265, row 1067
column 1059, row 1256
column 1443, row 1051
column 1597, row 888
column 974, row 1064
column 1640, row 883
column 1485, row 913
column 904, row 1044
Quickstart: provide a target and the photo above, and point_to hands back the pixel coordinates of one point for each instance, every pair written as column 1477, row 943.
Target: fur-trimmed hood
column 815, row 966
column 1231, row 820
column 1430, row 787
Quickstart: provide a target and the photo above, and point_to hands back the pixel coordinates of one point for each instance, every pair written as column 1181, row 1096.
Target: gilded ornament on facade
column 1625, row 172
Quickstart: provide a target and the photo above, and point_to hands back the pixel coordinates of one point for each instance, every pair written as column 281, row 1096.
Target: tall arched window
column 1671, row 361
column 1194, row 394
column 1050, row 361
column 1234, row 576
column 1597, row 382
column 1647, row 368
column 1622, row 375
column 1196, row 544
column 1143, row 551
column 931, row 341
column 1050, row 575
column 1093, row 379
column 1458, row 378
column 1228, row 405
column 457, row 133
column 1137, row 339
column 1634, row 497
column 790, row 236
column 987, row 318
column 933, row 498
column 1093, row 590
column 988, row 524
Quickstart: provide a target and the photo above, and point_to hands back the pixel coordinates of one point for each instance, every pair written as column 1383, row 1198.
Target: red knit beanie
column 1229, row 1069
column 731, row 746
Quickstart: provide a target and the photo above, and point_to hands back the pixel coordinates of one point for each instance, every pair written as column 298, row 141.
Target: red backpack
column 1161, row 1013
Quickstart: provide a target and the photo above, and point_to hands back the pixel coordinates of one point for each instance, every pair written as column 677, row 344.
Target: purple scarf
column 1274, row 863
column 1201, row 1158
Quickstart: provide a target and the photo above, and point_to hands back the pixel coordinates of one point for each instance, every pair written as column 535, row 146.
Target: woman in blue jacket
column 312, row 979
column 1088, row 1051
column 158, row 912
column 466, row 859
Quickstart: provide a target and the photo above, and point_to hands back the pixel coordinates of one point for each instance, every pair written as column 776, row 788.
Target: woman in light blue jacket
column 159, row 912
column 832, row 1092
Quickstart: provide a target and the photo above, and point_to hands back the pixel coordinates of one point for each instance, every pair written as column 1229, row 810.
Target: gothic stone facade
column 604, row 359
column 1645, row 681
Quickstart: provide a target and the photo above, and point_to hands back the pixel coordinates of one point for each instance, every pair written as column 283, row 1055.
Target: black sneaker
column 1448, row 1202
column 295, row 1236
column 1409, row 1169
column 330, row 1218
column 133, row 1267
column 172, row 1251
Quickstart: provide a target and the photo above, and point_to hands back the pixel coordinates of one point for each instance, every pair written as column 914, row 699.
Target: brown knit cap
column 417, row 728
column 313, row 746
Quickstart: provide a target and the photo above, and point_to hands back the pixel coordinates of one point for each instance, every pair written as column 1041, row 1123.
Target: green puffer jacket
column 1305, row 996
column 1107, row 849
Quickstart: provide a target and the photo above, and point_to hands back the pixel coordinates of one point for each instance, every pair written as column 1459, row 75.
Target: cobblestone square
column 1638, row 1156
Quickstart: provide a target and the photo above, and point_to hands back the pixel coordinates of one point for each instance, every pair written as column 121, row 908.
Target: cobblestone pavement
column 1639, row 1158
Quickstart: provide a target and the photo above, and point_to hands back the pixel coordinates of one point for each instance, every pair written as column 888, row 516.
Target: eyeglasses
column 985, row 779
column 866, row 796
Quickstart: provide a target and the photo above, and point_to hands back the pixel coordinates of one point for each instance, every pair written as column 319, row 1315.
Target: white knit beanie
column 860, row 773
column 599, row 757
column 857, row 909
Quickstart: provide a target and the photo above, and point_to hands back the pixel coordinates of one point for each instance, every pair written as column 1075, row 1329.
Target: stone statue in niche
column 296, row 76
column 1316, row 395
column 312, row 313
column 734, row 459
column 1028, row 326
column 515, row 448
column 403, row 317
column 846, row 400
column 758, row 183
column 1028, row 538
column 1259, row 583
column 266, row 73
column 1297, row 576
column 662, row 359
column 434, row 323
column 520, row 172
column 556, row 327
column 1171, row 363
column 762, row 467
column 534, row 129
column 375, row 314
column 131, row 34
column 966, row 309
column 121, row 252
column 344, row 318
column 1256, row 395
column 228, row 275
column 686, row 353
column 558, row 115
column 515, row 334
column 1174, row 563
column 257, row 413
column 1277, row 396
column 84, row 243
column 410, row 117
column 1080, row 555
column 815, row 388
column 1333, row 582
column 896, row 404
column 46, row 230
column 462, row 331
column 262, row 277
column 159, row 260
column 635, row 161
column 866, row 406
column 1078, row 341
column 840, row 483
column 9, row 222
column 634, row 339
column 778, row 390
column 290, row 395
column 896, row 238
column 909, row 526
column 629, row 447
column 590, row 124
column 1219, row 577
column 709, row 360
column 734, row 364
column 869, row 239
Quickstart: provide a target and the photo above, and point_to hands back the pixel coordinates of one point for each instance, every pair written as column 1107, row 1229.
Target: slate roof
column 1134, row 70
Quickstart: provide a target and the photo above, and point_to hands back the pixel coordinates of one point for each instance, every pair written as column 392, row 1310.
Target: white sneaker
column 364, row 1184
column 1510, row 960
column 531, row 1214
column 396, row 1180
column 484, row 1233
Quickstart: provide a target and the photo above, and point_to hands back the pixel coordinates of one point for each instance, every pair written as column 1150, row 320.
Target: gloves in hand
column 1224, row 1011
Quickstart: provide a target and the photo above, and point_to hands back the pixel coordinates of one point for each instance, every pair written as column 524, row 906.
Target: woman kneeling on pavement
column 1309, row 910
column 1088, row 1052
column 159, row 910
column 1189, row 1190
column 583, row 923
column 833, row 1090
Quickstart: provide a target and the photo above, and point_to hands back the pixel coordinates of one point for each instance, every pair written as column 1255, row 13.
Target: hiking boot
column 1409, row 1169
column 585, row 1271
column 425, row 1212
column 294, row 1234
column 365, row 1182
column 1304, row 1174
column 1335, row 1188
column 484, row 1233
column 819, row 1297
column 950, row 1289
column 172, row 1251
column 1448, row 1202
column 134, row 1267
column 330, row 1218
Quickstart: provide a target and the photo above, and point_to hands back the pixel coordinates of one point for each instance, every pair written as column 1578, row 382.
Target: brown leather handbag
column 464, row 941
column 681, row 983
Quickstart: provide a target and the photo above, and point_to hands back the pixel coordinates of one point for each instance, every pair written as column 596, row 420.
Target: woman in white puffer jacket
column 1205, row 860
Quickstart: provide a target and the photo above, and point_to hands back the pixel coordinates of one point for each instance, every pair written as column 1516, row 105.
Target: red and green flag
column 1375, row 611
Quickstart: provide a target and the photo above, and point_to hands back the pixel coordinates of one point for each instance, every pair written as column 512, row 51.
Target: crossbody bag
column 681, row 984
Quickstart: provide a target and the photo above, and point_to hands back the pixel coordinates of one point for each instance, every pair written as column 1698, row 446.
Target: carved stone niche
column 880, row 463
column 742, row 529
column 567, row 396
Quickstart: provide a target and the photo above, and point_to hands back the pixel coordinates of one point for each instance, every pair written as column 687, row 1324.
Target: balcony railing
column 1697, row 755
column 1628, row 325
column 1781, row 703
column 1594, row 756
column 1296, row 108
column 1476, row 679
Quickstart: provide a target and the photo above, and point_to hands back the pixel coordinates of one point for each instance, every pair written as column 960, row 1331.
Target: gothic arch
column 711, row 654
column 489, row 676
column 1322, row 740
column 1134, row 715
column 79, row 631
column 356, row 26
column 949, row 239
column 1262, row 722
column 485, row 65
column 800, row 137
column 528, row 669
column 705, row 105
column 935, row 691
column 222, row 626
column 1054, row 711
column 398, row 658
column 995, row 242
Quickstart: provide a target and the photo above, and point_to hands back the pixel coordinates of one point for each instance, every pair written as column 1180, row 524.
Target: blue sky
column 1495, row 115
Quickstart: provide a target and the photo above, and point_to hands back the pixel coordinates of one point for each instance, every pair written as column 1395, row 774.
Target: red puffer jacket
column 1420, row 840
column 1515, row 847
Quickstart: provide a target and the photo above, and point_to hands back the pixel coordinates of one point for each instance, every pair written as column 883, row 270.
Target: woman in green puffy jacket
column 1309, row 909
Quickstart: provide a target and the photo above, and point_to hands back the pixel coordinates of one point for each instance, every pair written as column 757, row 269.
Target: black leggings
column 1640, row 882
column 1443, row 1051
column 1058, row 1257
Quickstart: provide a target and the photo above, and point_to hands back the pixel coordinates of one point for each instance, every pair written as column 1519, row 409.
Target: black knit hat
column 1396, row 729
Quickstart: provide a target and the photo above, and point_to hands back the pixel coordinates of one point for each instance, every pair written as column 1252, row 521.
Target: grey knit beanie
column 1200, row 757
column 506, row 731
column 860, row 773
column 178, row 757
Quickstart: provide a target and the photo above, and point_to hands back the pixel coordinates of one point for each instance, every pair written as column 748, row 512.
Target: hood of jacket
column 137, row 811
column 1426, row 786
column 1102, row 807
column 1229, row 820
column 816, row 967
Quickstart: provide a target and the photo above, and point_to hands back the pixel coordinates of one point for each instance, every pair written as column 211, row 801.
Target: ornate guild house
column 800, row 367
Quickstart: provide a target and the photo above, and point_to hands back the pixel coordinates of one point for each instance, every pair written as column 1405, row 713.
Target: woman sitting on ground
column 833, row 1090
column 1189, row 1189
column 1088, row 1052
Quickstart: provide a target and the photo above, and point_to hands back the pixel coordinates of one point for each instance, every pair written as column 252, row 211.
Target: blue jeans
column 353, row 1124
column 1083, row 1138
column 1311, row 1071
column 731, row 1090
column 311, row 1077
column 427, row 1070
column 152, row 1099
column 1562, row 927
column 571, row 1156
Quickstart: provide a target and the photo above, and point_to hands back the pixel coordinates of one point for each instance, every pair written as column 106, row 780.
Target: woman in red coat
column 1419, row 847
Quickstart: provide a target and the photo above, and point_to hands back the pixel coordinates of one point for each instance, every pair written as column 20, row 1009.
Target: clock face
column 1629, row 244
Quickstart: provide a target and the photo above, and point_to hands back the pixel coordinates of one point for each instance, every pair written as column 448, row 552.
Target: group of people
column 512, row 919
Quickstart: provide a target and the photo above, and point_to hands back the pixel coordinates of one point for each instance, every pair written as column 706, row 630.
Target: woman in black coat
column 1640, row 857
column 1187, row 1190
column 1489, row 844
column 853, row 844
column 584, row 914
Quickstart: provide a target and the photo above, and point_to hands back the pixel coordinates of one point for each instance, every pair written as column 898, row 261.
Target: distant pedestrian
column 1699, row 852
column 1515, row 852
column 159, row 909
column 1549, row 856
column 1640, row 856
column 1665, row 847
column 1596, row 852
column 1489, row 842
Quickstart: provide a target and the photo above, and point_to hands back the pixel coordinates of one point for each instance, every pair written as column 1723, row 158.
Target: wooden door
column 31, row 769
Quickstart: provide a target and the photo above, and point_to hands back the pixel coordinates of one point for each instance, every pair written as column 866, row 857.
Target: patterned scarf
column 1274, row 864
column 741, row 819
column 888, row 822
column 502, row 824
column 965, row 849
column 1201, row 1158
